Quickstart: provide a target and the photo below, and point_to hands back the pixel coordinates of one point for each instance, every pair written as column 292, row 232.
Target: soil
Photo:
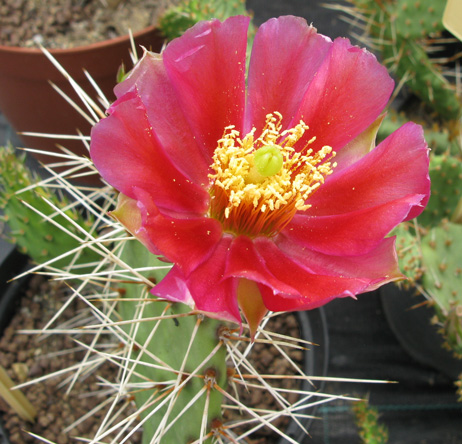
column 70, row 23
column 27, row 357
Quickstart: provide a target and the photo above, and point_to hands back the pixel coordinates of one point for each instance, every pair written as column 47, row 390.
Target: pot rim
column 78, row 49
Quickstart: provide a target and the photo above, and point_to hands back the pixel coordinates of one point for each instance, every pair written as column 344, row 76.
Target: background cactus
column 29, row 229
column 404, row 33
column 442, row 280
column 179, row 18
column 367, row 420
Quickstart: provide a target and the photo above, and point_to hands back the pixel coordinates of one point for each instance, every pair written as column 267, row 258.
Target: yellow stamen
column 255, row 196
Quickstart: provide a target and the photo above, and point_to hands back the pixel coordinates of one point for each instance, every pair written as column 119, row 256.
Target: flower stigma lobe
column 258, row 184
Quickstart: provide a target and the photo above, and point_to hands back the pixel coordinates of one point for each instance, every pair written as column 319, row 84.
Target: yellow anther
column 258, row 184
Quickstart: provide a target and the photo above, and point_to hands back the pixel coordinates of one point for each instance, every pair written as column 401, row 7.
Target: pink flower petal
column 286, row 55
column 206, row 66
column 173, row 288
column 361, row 204
column 185, row 242
column 149, row 79
column 377, row 266
column 353, row 233
column 129, row 215
column 211, row 292
column 244, row 261
column 314, row 290
column 348, row 93
column 128, row 155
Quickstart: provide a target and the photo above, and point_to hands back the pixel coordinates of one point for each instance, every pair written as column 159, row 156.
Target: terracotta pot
column 29, row 102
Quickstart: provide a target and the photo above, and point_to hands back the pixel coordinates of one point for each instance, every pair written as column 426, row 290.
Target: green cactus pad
column 417, row 19
column 34, row 235
column 399, row 30
column 442, row 280
column 169, row 344
column 409, row 254
column 446, row 191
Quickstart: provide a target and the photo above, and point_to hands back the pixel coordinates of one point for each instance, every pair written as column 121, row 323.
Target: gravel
column 70, row 23
column 27, row 357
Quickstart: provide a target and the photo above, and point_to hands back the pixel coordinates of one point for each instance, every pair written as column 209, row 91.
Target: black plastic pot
column 414, row 331
column 12, row 263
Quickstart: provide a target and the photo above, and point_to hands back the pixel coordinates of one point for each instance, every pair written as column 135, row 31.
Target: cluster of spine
column 33, row 213
column 404, row 32
column 367, row 420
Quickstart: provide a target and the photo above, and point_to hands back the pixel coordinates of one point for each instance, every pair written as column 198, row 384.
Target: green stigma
column 268, row 160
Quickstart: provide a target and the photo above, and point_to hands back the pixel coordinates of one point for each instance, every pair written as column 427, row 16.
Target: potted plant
column 177, row 322
column 27, row 98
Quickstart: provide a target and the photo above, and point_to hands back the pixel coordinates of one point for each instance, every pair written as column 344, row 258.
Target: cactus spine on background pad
column 442, row 259
column 446, row 179
column 29, row 230
column 187, row 375
column 401, row 30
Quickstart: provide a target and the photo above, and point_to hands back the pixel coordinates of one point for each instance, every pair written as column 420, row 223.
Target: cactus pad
column 442, row 259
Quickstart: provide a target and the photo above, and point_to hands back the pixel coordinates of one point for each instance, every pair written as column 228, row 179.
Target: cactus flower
column 264, row 189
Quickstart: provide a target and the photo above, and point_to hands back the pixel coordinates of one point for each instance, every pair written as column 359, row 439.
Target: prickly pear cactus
column 179, row 18
column 400, row 30
column 195, row 367
column 446, row 179
column 409, row 253
column 29, row 229
column 442, row 280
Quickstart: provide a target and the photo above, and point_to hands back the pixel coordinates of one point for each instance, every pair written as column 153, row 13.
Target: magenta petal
column 244, row 261
column 210, row 290
column 185, row 242
column 128, row 155
column 206, row 285
column 348, row 93
column 173, row 288
column 395, row 169
column 149, row 79
column 286, row 55
column 379, row 265
column 353, row 233
column 362, row 203
column 313, row 290
column 207, row 69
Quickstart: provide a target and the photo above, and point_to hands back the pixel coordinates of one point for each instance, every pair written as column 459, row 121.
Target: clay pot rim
column 77, row 49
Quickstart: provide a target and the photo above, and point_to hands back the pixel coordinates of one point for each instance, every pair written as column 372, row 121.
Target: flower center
column 258, row 184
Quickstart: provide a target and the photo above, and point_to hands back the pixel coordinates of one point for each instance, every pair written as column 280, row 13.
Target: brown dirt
column 26, row 357
column 70, row 23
